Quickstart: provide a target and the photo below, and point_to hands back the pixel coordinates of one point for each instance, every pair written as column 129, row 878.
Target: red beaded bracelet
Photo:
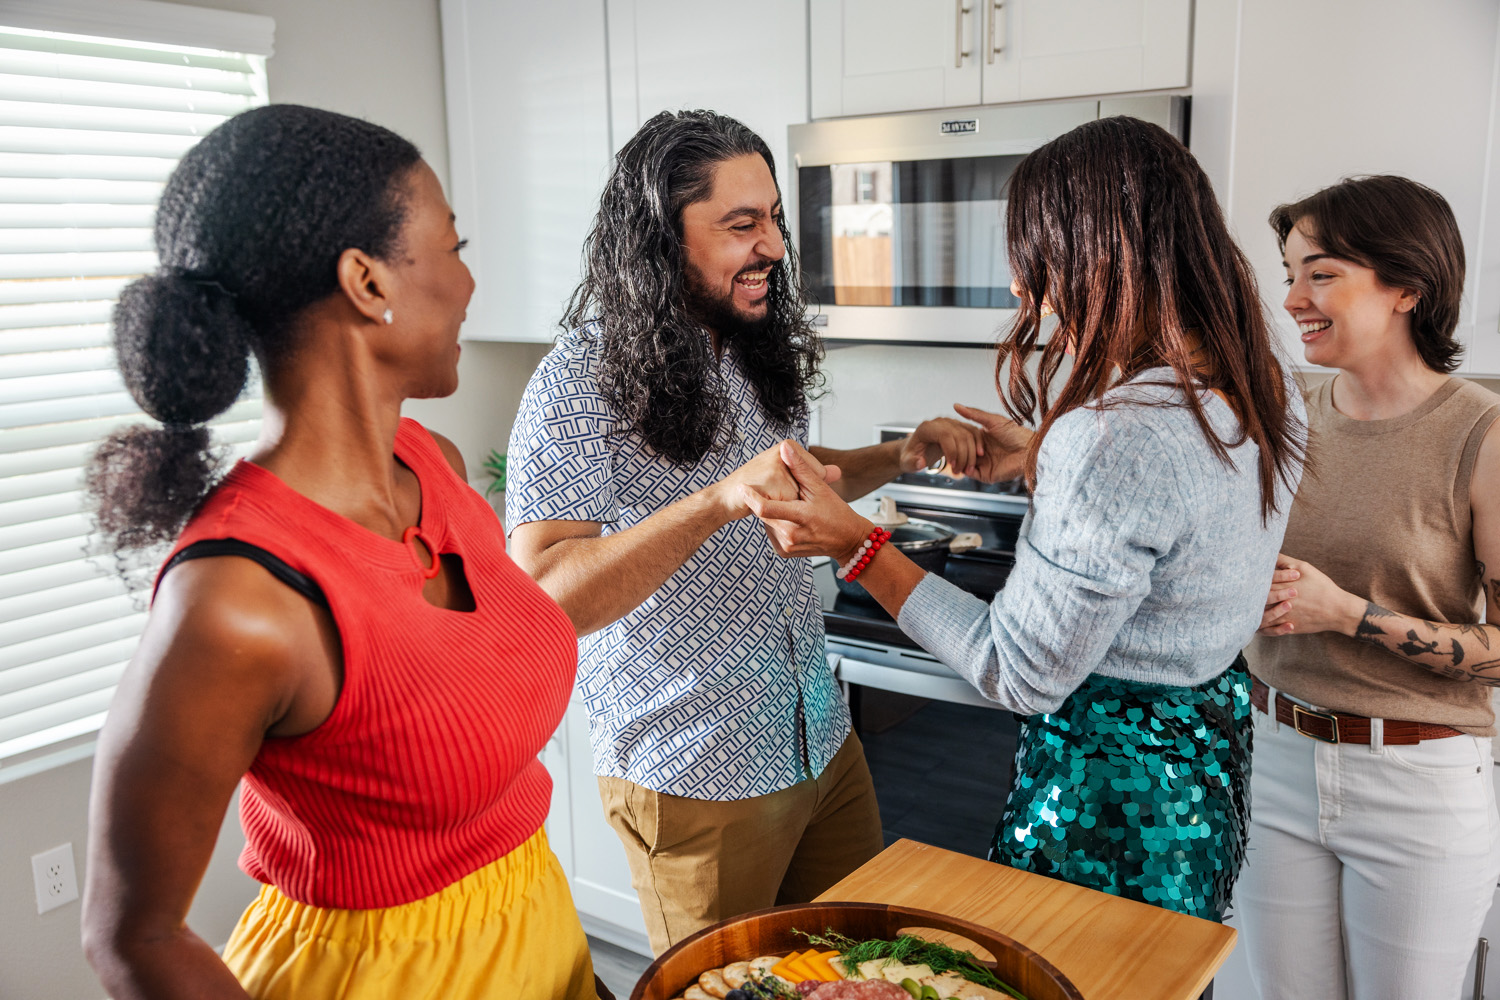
column 866, row 552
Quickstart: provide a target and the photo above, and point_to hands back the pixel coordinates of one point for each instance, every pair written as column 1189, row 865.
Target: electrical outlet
column 55, row 877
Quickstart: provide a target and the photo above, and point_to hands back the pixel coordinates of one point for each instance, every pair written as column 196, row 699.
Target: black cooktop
column 981, row 571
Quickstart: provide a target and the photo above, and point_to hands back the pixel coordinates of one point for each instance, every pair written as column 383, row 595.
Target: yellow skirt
column 507, row 930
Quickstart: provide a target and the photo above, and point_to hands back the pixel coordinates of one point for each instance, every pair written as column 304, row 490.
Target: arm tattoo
column 1368, row 630
column 1373, row 628
column 1478, row 632
column 1416, row 647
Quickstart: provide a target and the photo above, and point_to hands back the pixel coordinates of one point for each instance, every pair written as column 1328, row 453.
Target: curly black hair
column 656, row 367
column 249, row 232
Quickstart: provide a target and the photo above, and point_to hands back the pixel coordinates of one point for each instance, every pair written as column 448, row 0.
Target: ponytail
column 184, row 353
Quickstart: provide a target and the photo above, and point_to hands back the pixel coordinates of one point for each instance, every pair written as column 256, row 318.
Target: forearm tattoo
column 1462, row 652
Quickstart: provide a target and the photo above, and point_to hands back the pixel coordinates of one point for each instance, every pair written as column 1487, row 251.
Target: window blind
column 90, row 128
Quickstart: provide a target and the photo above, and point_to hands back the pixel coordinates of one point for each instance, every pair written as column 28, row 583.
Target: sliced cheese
column 894, row 972
column 818, row 963
column 799, row 965
column 784, row 969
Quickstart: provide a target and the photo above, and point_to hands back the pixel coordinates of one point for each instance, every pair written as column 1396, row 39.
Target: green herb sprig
column 910, row 950
column 779, row 988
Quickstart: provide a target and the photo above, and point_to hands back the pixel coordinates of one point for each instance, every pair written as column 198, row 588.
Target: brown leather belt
column 1336, row 727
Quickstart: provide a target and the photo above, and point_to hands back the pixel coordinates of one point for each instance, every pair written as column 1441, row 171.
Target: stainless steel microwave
column 900, row 219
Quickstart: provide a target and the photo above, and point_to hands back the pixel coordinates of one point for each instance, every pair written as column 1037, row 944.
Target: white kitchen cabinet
column 874, row 56
column 528, row 143
column 685, row 54
column 541, row 96
column 585, row 844
column 1036, row 49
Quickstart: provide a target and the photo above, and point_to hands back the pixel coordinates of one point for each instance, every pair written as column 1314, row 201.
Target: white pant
column 1370, row 869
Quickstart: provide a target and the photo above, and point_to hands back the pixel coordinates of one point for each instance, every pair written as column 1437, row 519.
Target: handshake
column 801, row 498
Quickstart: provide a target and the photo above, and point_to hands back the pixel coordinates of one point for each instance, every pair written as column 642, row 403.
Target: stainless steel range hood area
column 900, row 219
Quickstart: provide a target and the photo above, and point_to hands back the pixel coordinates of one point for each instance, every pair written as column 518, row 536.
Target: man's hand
column 770, row 477
column 813, row 521
column 958, row 444
column 1005, row 443
column 1315, row 604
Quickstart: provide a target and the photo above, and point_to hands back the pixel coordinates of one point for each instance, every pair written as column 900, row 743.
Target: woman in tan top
column 1374, row 838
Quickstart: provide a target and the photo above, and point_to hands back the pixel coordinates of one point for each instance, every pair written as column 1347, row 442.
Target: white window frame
column 138, row 21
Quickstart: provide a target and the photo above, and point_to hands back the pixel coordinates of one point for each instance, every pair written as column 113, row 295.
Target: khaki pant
column 694, row 862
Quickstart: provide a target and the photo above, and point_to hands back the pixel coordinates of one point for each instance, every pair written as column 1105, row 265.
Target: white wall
column 1289, row 97
column 381, row 60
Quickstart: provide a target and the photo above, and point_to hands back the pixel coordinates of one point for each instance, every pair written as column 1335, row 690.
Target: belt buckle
column 1298, row 713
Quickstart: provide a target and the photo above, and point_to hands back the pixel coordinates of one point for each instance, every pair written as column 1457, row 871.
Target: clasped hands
column 792, row 492
column 1303, row 599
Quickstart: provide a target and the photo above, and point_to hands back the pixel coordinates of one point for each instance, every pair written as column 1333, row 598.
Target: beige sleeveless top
column 1384, row 511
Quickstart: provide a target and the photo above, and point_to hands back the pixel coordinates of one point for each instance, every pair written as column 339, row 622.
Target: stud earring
column 389, row 317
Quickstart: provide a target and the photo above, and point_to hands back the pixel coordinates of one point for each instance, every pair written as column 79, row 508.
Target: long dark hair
column 656, row 368
column 1406, row 233
column 249, row 232
column 1116, row 225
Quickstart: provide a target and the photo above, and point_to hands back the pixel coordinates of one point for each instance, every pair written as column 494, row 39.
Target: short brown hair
column 1403, row 231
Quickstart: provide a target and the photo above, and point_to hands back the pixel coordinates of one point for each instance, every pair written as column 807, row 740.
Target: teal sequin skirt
column 1137, row 790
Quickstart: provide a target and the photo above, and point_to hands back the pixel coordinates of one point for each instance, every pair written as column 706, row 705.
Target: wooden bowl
column 770, row 932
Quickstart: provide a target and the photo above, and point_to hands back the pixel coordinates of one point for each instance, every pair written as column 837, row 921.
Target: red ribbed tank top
column 427, row 768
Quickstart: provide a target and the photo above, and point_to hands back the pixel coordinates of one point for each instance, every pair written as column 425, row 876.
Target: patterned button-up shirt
column 716, row 687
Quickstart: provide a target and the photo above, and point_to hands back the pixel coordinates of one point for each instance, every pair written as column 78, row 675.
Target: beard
column 719, row 313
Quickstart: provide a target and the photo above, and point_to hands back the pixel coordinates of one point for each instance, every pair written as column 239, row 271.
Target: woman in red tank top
column 339, row 625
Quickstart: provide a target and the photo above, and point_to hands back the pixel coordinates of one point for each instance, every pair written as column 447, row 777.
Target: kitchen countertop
column 1109, row 947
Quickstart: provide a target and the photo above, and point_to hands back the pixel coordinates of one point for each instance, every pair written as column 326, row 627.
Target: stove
column 865, row 646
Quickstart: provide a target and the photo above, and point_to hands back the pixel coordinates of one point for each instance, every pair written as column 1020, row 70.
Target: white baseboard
column 616, row 935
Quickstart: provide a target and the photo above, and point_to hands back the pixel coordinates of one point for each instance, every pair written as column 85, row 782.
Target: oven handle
column 951, row 689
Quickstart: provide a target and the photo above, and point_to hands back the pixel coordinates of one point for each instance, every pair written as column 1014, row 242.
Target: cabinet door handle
column 997, row 11
column 959, row 52
column 1481, row 955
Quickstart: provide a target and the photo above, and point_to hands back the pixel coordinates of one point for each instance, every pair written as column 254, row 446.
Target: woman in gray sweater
column 1161, row 474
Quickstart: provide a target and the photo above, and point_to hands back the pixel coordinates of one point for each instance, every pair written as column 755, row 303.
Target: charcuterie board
column 785, row 932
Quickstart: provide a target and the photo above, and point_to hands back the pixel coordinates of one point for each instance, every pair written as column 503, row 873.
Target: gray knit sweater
column 1143, row 557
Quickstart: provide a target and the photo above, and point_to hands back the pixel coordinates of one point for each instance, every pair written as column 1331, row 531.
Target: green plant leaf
column 494, row 465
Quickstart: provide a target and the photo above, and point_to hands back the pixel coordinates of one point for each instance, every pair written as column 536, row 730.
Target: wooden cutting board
column 1109, row 947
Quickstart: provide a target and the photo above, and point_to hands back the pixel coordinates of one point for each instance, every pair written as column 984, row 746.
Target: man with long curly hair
column 723, row 748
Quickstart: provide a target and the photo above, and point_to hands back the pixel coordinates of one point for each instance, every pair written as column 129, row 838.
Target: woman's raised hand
column 818, row 522
column 1005, row 444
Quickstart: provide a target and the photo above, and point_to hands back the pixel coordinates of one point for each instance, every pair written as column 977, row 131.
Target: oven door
column 940, row 758
column 909, row 672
